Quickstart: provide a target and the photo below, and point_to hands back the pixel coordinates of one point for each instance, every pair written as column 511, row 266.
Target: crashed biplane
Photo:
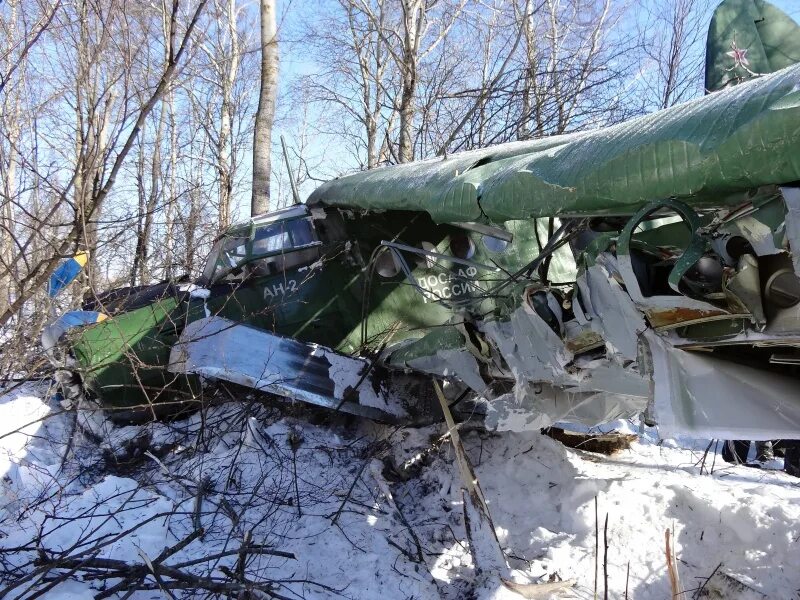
column 582, row 277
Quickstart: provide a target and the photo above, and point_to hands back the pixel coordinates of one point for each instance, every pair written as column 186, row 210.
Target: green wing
column 705, row 151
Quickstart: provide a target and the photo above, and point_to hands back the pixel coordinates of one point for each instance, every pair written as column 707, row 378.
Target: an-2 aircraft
column 582, row 277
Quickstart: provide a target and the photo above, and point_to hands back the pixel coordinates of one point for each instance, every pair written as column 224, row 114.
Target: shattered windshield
column 283, row 235
column 225, row 255
column 229, row 254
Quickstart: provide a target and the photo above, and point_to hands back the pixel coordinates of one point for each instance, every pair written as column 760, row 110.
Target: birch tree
column 354, row 76
column 222, row 66
column 415, row 25
column 673, row 51
column 265, row 114
column 374, row 55
column 11, row 118
column 572, row 59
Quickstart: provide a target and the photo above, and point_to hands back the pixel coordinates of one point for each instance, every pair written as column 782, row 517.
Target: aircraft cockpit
column 282, row 240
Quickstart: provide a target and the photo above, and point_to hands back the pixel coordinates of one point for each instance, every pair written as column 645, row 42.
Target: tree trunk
column 407, row 110
column 262, row 136
column 171, row 200
column 141, row 269
column 524, row 127
column 413, row 16
column 225, row 153
column 8, row 181
column 141, row 249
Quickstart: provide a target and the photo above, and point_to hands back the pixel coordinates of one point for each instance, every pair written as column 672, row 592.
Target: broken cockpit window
column 226, row 255
column 494, row 244
column 283, row 236
column 269, row 250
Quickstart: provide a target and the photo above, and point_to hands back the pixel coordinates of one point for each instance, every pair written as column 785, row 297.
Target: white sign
column 447, row 285
column 280, row 288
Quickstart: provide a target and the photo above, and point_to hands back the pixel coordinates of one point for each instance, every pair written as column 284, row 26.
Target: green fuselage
column 337, row 297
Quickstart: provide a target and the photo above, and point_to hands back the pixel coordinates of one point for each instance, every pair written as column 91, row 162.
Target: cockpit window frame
column 219, row 272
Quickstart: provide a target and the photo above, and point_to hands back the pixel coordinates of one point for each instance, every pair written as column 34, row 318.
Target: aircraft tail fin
column 748, row 38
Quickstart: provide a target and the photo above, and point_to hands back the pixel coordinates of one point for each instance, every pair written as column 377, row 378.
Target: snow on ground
column 321, row 492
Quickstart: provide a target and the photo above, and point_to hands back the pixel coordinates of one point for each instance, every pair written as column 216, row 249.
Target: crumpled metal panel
column 532, row 350
column 730, row 141
column 616, row 318
column 706, row 397
column 532, row 407
column 222, row 349
column 590, row 391
column 451, row 363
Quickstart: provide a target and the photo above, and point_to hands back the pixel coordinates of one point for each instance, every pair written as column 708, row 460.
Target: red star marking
column 739, row 55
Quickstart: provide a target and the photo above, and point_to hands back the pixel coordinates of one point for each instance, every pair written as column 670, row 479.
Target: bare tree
column 223, row 49
column 265, row 114
column 412, row 78
column 497, row 57
column 99, row 156
column 413, row 22
column 570, row 53
column 414, row 25
column 672, row 43
column 13, row 60
column 149, row 194
column 355, row 74
column 11, row 118
column 375, row 55
column 149, row 179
